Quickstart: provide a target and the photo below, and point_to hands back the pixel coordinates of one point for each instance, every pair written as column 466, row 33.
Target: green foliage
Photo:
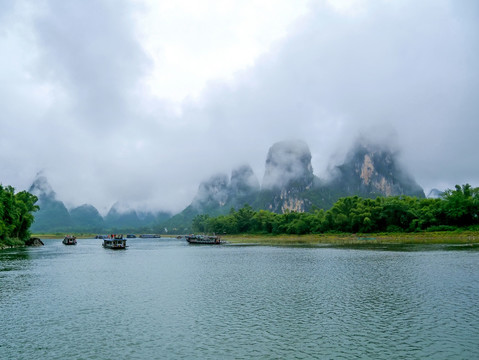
column 87, row 218
column 458, row 208
column 461, row 206
column 16, row 215
column 200, row 223
column 53, row 217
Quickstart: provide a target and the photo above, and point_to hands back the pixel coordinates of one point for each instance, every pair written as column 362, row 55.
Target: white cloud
column 138, row 101
column 194, row 42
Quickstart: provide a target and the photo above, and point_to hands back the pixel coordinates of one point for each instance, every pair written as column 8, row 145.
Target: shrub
column 441, row 228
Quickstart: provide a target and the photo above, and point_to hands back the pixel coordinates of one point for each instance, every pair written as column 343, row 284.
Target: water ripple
column 164, row 299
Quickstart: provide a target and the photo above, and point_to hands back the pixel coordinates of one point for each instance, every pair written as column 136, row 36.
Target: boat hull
column 70, row 240
column 115, row 244
column 115, row 247
column 203, row 240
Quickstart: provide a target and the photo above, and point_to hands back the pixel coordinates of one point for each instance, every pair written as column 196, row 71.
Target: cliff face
column 288, row 174
column 244, row 187
column 243, row 182
column 290, row 185
column 212, row 193
column 288, row 164
column 220, row 193
column 374, row 171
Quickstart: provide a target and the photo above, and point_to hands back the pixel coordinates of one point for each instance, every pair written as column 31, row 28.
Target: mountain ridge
column 54, row 216
column 288, row 184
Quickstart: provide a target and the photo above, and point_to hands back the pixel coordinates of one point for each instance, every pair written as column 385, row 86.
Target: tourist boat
column 69, row 240
column 203, row 239
column 116, row 242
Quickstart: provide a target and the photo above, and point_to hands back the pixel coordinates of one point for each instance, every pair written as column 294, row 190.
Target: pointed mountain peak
column 287, row 162
column 42, row 188
column 373, row 169
column 243, row 180
column 212, row 191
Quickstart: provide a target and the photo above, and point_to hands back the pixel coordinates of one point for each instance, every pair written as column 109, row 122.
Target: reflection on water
column 163, row 298
column 13, row 257
column 15, row 262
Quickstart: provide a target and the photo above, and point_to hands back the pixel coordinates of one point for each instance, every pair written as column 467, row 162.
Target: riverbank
column 11, row 243
column 443, row 237
column 62, row 235
column 424, row 238
column 16, row 243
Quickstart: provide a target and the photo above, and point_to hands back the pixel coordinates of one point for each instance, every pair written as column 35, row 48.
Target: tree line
column 16, row 215
column 456, row 208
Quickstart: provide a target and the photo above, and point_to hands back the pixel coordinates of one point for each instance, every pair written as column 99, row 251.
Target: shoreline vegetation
column 425, row 238
column 16, row 216
column 440, row 237
column 452, row 218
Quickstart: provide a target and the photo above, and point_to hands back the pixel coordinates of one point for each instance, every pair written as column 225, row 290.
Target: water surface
column 162, row 298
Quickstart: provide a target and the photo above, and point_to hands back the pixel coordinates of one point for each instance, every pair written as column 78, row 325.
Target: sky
column 138, row 101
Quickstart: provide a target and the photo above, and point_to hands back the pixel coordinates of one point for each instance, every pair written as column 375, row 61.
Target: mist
column 76, row 104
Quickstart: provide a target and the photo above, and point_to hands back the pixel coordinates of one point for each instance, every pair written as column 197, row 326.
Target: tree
column 397, row 214
column 200, row 223
column 244, row 218
column 460, row 206
column 264, row 221
column 16, row 214
column 25, row 203
column 222, row 224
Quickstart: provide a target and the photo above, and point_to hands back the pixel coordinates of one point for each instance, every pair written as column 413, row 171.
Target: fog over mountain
column 84, row 92
column 369, row 170
column 286, row 162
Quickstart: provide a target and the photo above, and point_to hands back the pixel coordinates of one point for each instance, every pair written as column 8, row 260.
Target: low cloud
column 287, row 161
column 75, row 105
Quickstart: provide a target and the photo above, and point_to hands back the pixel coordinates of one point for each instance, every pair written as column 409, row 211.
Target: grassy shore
column 11, row 243
column 443, row 237
column 424, row 238
column 62, row 235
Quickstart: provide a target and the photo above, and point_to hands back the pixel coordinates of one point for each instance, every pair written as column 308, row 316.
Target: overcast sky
column 138, row 101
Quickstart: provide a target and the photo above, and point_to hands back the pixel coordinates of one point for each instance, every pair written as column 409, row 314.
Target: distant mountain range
column 288, row 184
column 434, row 194
column 53, row 215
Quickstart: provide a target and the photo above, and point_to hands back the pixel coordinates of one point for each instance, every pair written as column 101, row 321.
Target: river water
column 165, row 299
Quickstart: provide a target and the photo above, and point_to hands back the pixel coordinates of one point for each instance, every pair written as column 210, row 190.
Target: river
column 166, row 299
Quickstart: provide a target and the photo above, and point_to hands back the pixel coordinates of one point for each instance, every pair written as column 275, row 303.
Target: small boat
column 101, row 237
column 69, row 240
column 116, row 242
column 131, row 236
column 203, row 239
column 150, row 236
